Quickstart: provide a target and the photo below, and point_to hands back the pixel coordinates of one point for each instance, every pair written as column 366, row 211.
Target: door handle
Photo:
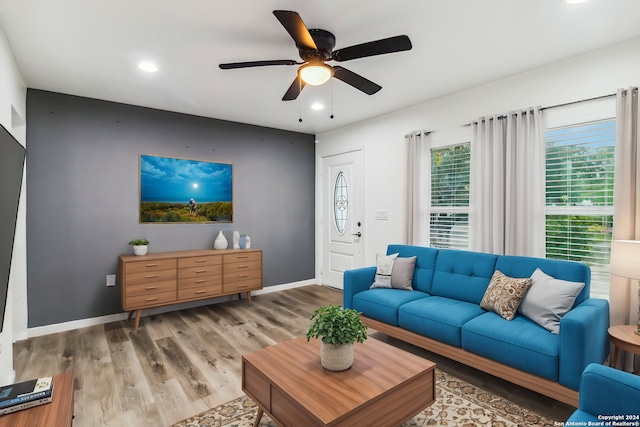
column 359, row 234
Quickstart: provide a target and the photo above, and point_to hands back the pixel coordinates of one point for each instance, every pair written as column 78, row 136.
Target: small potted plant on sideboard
column 139, row 246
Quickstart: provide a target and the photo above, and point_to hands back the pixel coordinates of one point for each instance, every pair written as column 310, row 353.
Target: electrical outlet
column 111, row 280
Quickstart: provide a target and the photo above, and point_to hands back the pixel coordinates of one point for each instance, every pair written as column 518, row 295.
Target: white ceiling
column 91, row 48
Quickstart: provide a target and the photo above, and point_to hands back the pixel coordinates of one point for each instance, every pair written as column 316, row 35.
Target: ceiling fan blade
column 378, row 47
column 292, row 22
column 248, row 64
column 355, row 80
column 294, row 90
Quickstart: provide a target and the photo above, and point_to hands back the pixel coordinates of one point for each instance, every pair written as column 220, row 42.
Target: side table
column 623, row 337
column 57, row 413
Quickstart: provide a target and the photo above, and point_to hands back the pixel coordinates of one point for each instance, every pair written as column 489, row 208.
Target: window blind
column 449, row 210
column 579, row 196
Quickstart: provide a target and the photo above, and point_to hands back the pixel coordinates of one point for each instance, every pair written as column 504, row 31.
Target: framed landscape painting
column 174, row 190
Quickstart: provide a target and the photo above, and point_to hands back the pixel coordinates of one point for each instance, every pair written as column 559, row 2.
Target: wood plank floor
column 181, row 363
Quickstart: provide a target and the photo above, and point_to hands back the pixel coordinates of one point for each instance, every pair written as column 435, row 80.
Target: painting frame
column 176, row 190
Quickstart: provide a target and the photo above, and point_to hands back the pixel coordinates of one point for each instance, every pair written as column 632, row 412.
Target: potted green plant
column 139, row 246
column 338, row 329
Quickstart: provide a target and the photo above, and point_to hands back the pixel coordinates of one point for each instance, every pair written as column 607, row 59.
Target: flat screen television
column 12, row 155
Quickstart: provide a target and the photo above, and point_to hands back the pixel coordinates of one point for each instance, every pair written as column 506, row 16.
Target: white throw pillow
column 548, row 299
column 384, row 268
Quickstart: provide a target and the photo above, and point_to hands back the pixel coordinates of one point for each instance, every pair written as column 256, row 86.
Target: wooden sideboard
column 166, row 278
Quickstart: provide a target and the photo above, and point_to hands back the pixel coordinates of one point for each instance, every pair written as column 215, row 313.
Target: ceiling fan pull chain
column 331, row 83
column 300, row 101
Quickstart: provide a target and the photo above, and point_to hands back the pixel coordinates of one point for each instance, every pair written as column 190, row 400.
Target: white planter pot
column 336, row 357
column 140, row 249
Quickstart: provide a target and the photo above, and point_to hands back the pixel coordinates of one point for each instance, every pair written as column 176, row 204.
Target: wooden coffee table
column 385, row 386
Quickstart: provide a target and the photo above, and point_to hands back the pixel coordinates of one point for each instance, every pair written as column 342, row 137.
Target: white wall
column 13, row 95
column 590, row 75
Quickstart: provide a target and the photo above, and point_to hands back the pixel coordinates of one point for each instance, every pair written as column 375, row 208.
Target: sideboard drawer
column 196, row 282
column 149, row 300
column 203, row 270
column 240, row 275
column 242, row 266
column 242, row 257
column 243, row 286
column 200, row 261
column 150, row 265
column 199, row 293
column 151, row 276
column 151, row 288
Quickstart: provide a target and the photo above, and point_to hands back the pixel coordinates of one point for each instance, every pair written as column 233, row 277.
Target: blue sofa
column 607, row 394
column 442, row 314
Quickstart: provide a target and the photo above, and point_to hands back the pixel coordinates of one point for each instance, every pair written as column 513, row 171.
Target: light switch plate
column 382, row 215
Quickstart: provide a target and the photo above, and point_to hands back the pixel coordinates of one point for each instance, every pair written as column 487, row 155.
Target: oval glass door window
column 341, row 203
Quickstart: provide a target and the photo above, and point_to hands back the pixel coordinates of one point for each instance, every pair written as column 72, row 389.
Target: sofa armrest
column 583, row 339
column 356, row 281
column 607, row 391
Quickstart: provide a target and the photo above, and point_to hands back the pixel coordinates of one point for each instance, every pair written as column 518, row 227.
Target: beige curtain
column 626, row 210
column 507, row 193
column 419, row 188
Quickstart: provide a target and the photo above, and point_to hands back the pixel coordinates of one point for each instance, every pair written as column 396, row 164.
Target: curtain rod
column 566, row 103
column 420, row 132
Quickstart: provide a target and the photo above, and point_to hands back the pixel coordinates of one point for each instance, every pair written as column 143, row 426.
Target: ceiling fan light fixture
column 315, row 74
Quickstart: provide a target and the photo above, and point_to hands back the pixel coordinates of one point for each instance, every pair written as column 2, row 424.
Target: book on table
column 25, row 394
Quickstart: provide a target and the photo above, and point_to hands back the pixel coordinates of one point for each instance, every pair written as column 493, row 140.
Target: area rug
column 457, row 404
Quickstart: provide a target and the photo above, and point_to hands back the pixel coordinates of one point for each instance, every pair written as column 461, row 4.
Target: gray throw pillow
column 548, row 299
column 384, row 267
column 402, row 273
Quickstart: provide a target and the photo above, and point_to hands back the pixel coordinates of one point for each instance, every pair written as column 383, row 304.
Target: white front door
column 342, row 216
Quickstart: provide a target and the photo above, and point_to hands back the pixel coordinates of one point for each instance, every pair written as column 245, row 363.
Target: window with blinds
column 449, row 210
column 579, row 197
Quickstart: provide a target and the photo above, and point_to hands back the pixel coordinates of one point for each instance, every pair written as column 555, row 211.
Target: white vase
column 220, row 242
column 236, row 240
column 247, row 242
column 140, row 249
column 336, row 357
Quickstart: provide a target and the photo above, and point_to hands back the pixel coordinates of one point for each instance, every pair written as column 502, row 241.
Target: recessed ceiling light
column 574, row 1
column 148, row 66
column 317, row 106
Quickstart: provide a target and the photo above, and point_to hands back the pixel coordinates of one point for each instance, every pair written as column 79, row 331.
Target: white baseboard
column 84, row 323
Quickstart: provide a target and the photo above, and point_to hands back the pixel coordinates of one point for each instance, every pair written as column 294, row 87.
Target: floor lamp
column 625, row 262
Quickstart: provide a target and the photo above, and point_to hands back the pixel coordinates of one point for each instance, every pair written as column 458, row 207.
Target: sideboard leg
column 130, row 314
column 138, row 312
column 249, row 298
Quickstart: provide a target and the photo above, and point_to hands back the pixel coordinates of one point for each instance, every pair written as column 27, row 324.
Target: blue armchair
column 607, row 394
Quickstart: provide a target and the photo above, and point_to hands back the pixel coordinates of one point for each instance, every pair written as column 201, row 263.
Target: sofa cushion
column 504, row 294
column 548, row 299
column 384, row 267
column 462, row 275
column 520, row 343
column 402, row 273
column 425, row 263
column 382, row 304
column 438, row 317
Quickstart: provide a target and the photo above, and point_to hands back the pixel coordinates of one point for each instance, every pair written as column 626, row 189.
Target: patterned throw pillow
column 505, row 294
column 384, row 267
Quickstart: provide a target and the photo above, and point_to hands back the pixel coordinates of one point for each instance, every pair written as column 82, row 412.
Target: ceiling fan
column 315, row 47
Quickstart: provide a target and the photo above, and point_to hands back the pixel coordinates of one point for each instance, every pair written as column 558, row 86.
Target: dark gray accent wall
column 82, row 197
